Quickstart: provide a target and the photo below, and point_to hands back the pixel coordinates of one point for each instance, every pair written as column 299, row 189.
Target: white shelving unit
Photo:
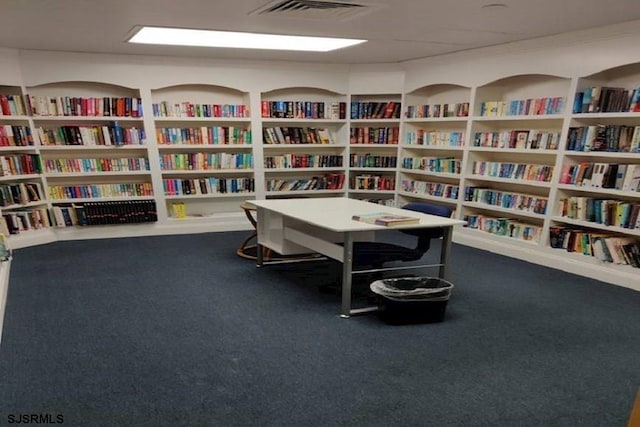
column 374, row 133
column 304, row 142
column 204, row 146
column 24, row 200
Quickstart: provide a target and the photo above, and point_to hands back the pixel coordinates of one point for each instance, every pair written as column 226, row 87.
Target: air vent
column 311, row 9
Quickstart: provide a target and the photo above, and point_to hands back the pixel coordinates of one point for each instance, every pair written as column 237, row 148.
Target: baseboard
column 582, row 265
column 5, row 269
column 231, row 222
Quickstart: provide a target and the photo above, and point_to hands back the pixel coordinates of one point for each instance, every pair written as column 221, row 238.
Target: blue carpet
column 179, row 331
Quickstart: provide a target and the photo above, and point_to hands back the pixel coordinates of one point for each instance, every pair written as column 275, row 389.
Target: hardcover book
column 386, row 219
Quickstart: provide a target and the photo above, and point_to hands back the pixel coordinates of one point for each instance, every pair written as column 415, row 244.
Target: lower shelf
column 582, row 265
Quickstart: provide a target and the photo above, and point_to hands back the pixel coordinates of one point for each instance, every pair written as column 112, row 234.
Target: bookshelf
column 597, row 201
column 22, row 190
column 433, row 143
column 92, row 144
column 204, row 146
column 303, row 142
column 374, row 137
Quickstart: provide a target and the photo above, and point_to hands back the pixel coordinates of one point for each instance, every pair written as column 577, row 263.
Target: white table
column 324, row 225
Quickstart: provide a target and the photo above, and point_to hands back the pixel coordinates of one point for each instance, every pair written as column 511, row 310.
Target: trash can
column 407, row 300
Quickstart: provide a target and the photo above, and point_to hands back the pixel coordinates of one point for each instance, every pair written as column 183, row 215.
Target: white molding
column 5, row 270
column 580, row 265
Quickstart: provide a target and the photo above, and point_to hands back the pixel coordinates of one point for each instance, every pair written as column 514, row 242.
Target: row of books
column 207, row 185
column 16, row 136
column 624, row 177
column 436, row 189
column 296, row 135
column 42, row 105
column 332, row 181
column 604, row 99
column 85, row 214
column 523, row 171
column 506, row 199
column 20, row 193
column 12, row 105
column 189, row 109
column 385, row 202
column 372, row 161
column 522, row 107
column 375, row 110
column 374, row 135
column 303, row 110
column 614, row 138
column 205, row 161
column 286, row 161
column 507, row 227
column 373, row 182
column 435, row 138
column 23, row 220
column 529, row 139
column 20, row 164
column 433, row 164
column 605, row 247
column 205, row 135
column 460, row 109
column 111, row 134
column 617, row 213
column 96, row 191
column 104, row 164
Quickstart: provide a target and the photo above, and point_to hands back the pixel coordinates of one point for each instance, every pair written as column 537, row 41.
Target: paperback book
column 386, row 219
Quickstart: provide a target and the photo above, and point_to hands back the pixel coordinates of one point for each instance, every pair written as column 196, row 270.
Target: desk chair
column 376, row 254
column 373, row 255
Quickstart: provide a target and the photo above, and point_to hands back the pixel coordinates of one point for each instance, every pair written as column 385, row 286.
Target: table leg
column 444, row 253
column 259, row 255
column 347, row 266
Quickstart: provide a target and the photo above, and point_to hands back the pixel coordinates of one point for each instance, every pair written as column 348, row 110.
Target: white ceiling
column 397, row 30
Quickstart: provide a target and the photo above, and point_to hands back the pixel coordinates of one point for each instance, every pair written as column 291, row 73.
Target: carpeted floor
column 179, row 331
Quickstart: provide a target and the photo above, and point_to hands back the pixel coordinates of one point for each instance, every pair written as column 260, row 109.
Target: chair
column 375, row 254
column 369, row 257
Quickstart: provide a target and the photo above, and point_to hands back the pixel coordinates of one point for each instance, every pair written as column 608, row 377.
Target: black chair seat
column 377, row 253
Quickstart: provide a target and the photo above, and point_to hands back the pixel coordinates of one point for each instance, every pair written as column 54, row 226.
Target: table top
column 335, row 213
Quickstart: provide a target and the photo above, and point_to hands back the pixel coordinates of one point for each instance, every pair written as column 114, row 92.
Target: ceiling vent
column 310, row 9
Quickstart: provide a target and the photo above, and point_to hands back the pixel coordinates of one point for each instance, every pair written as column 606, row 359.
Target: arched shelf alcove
column 200, row 101
column 614, row 90
column 303, row 103
column 437, row 101
column 527, row 94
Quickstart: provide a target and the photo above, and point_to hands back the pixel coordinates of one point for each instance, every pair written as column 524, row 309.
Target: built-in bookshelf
column 23, row 200
column 515, row 133
column 93, row 149
column 433, row 143
column 304, row 142
column 597, row 202
column 374, row 138
column 205, row 149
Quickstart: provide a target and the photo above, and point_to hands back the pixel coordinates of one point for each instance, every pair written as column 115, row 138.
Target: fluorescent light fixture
column 209, row 38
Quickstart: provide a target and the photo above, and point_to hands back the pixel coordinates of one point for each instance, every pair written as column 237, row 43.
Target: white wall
column 10, row 74
column 574, row 54
column 155, row 72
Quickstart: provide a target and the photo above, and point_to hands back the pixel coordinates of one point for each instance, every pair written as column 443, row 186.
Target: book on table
column 386, row 219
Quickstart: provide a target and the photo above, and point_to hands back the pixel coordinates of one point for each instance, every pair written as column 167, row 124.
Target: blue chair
column 375, row 254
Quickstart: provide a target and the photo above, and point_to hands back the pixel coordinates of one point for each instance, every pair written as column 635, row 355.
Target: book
column 386, row 219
